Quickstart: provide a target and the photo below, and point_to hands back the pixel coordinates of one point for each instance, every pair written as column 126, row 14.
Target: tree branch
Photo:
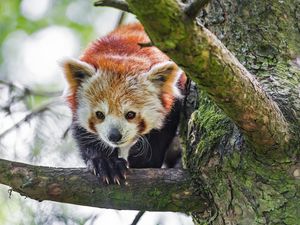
column 216, row 70
column 164, row 189
column 138, row 217
column 118, row 4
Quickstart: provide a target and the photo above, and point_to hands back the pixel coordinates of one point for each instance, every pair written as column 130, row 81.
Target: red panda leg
column 109, row 170
column 101, row 160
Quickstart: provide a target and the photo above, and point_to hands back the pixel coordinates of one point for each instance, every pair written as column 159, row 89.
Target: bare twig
column 193, row 9
column 145, row 45
column 121, row 18
column 164, row 189
column 138, row 217
column 118, row 4
column 28, row 117
column 28, row 91
column 66, row 132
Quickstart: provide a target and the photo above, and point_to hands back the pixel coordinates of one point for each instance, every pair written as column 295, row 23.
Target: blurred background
column 35, row 35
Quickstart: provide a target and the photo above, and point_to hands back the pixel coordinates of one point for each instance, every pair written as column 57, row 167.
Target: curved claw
column 109, row 170
column 105, row 180
column 116, row 180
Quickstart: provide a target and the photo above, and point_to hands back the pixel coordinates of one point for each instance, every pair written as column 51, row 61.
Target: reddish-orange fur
column 120, row 53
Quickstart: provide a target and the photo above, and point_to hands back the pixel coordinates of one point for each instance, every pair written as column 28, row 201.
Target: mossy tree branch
column 165, row 189
column 216, row 70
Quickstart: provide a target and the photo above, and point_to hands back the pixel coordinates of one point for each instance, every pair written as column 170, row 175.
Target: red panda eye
column 100, row 115
column 130, row 115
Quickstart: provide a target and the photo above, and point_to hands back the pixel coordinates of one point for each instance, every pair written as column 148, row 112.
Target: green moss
column 238, row 180
column 246, row 188
column 155, row 193
column 168, row 13
column 212, row 126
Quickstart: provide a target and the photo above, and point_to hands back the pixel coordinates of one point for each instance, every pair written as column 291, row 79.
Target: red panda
column 125, row 100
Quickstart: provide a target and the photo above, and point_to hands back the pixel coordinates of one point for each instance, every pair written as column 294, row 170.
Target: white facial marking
column 103, row 107
column 124, row 152
column 151, row 111
column 127, row 130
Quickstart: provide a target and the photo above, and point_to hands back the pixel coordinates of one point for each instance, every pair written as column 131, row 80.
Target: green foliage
column 12, row 19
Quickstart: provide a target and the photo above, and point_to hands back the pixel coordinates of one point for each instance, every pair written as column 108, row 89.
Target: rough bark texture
column 165, row 189
column 250, row 188
column 209, row 63
column 245, row 186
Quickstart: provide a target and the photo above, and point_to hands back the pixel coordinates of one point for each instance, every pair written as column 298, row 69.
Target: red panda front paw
column 109, row 170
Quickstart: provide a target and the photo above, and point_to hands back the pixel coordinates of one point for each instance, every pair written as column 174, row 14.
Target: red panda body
column 123, row 96
column 120, row 51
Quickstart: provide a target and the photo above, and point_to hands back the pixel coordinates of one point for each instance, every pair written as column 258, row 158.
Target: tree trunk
column 246, row 187
column 237, row 150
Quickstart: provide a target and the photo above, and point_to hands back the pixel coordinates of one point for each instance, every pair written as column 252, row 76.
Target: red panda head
column 121, row 107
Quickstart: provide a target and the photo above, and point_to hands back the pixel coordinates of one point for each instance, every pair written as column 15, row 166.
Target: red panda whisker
column 144, row 146
column 139, row 147
column 150, row 148
column 111, row 151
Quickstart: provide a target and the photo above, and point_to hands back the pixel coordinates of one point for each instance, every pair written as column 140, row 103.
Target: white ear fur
column 165, row 73
column 160, row 72
column 76, row 71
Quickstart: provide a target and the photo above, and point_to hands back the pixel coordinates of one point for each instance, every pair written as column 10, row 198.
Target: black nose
column 114, row 135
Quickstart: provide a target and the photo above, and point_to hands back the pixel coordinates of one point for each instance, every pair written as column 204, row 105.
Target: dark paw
column 109, row 170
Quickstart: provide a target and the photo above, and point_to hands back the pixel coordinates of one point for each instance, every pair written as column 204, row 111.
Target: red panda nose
column 114, row 135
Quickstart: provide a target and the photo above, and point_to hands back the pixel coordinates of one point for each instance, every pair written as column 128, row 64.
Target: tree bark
column 242, row 142
column 165, row 189
column 209, row 63
column 249, row 188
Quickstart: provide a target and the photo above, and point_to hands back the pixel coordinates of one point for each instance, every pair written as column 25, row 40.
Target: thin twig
column 121, row 18
column 66, row 132
column 28, row 117
column 138, row 217
column 118, row 4
column 193, row 9
column 27, row 91
column 145, row 45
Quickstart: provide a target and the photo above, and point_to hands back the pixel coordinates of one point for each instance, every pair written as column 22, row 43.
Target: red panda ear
column 77, row 71
column 162, row 73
